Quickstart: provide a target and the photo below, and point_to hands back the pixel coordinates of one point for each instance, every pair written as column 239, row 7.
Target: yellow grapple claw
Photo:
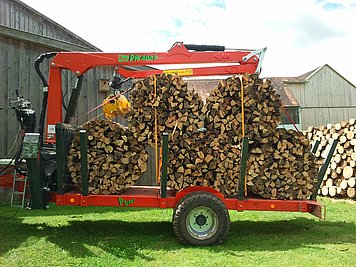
column 118, row 106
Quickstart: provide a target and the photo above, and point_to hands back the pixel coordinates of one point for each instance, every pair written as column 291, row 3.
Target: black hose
column 18, row 159
column 4, row 168
column 12, row 216
column 38, row 61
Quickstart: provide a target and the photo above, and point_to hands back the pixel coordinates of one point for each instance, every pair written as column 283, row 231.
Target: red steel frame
column 150, row 197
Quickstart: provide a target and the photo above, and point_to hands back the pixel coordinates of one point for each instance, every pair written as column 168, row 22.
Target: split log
column 351, row 192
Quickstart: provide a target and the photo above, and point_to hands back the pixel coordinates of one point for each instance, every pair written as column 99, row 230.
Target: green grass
column 105, row 236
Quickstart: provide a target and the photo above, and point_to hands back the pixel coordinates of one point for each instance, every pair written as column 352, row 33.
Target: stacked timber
column 211, row 157
column 339, row 180
column 116, row 159
column 204, row 140
column 282, row 166
column 165, row 101
column 223, row 108
column 203, row 160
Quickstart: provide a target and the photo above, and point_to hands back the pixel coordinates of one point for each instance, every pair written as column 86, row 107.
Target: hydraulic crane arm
column 242, row 60
column 223, row 62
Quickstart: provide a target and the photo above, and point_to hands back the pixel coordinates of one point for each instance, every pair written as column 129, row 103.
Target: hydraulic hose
column 38, row 62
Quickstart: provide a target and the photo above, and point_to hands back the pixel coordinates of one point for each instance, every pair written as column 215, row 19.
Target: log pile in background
column 116, row 158
column 339, row 180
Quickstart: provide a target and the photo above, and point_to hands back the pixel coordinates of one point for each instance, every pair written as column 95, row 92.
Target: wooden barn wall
column 325, row 98
column 17, row 72
column 19, row 16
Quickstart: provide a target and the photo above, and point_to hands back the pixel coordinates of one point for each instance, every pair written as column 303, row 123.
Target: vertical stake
column 164, row 166
column 243, row 164
column 323, row 169
column 60, row 154
column 315, row 146
column 84, row 162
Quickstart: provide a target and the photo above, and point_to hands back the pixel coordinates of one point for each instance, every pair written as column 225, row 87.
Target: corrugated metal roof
column 287, row 98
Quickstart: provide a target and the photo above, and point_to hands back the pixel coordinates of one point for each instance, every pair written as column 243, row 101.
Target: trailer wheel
column 202, row 219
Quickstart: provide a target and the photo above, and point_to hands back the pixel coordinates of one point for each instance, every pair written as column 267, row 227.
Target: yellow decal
column 180, row 72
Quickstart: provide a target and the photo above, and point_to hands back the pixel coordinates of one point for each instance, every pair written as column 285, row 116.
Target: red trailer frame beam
column 149, row 197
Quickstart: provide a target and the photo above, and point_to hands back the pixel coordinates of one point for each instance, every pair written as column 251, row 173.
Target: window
column 293, row 113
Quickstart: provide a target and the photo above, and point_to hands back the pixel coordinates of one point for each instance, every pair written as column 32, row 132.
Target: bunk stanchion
column 315, row 146
column 242, row 188
column 164, row 166
column 243, row 164
column 323, row 169
column 156, row 130
column 60, row 162
column 84, row 162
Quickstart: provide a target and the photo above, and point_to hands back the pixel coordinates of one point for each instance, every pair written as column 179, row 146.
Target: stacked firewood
column 203, row 160
column 223, row 108
column 210, row 156
column 282, row 166
column 116, row 159
column 223, row 113
column 204, row 140
column 340, row 177
column 164, row 101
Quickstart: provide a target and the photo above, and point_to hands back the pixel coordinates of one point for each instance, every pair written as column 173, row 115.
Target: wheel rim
column 202, row 223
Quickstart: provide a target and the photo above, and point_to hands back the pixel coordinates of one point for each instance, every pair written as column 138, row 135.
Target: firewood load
column 204, row 140
column 195, row 157
column 223, row 109
column 282, row 166
column 177, row 109
column 203, row 160
column 339, row 180
column 116, row 159
column 212, row 158
column 178, row 112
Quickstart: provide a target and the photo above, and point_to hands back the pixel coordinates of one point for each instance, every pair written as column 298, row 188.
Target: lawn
column 105, row 236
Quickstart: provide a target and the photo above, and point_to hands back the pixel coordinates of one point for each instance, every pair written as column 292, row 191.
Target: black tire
column 201, row 219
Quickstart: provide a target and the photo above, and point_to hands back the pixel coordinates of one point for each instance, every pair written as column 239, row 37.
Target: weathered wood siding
column 19, row 16
column 17, row 57
column 20, row 27
column 17, row 72
column 325, row 98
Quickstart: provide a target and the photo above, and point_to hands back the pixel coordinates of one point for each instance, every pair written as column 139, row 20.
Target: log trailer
column 201, row 214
